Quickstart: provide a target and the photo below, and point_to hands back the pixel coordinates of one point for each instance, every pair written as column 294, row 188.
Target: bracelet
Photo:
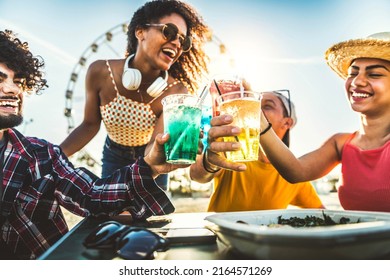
column 265, row 130
column 204, row 161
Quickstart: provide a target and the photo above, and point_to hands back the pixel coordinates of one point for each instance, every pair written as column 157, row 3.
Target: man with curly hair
column 37, row 178
column 165, row 55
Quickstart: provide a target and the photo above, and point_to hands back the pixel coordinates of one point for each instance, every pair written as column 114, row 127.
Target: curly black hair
column 191, row 65
column 16, row 55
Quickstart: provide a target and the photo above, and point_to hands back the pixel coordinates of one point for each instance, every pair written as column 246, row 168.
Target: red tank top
column 365, row 179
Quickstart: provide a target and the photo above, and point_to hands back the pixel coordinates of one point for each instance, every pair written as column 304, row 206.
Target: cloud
column 59, row 54
column 307, row 60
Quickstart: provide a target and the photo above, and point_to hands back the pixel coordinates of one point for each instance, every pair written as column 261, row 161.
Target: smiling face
column 10, row 98
column 161, row 53
column 368, row 85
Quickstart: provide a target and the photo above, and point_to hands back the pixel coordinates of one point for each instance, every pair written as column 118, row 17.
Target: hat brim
column 340, row 56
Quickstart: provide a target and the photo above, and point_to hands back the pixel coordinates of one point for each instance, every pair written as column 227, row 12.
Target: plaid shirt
column 38, row 178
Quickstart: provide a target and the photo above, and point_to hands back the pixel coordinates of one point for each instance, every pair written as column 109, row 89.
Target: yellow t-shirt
column 260, row 187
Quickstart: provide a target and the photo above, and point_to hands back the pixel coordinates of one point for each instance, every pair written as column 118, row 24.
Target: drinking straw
column 241, row 89
column 235, row 137
column 203, row 95
column 181, row 138
column 216, row 85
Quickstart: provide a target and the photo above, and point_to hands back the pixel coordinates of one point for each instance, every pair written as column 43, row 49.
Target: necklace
column 140, row 94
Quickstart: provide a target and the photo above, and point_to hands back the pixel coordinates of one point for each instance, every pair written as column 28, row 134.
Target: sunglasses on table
column 131, row 243
column 171, row 32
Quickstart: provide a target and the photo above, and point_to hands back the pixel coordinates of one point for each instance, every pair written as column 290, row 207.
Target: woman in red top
column 364, row 154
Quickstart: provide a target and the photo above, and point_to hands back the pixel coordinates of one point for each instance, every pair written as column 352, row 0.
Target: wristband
column 265, row 130
column 206, row 166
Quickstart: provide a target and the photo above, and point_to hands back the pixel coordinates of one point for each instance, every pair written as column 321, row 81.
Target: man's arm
column 202, row 171
column 208, row 165
column 130, row 188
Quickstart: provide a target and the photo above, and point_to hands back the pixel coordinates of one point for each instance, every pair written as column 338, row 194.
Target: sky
column 274, row 44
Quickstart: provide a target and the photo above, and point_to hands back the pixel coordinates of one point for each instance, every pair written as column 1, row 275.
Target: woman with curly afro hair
column 165, row 55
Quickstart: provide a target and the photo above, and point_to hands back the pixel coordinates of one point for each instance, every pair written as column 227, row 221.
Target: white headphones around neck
column 131, row 79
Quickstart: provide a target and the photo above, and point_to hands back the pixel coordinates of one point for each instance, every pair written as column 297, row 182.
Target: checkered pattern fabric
column 128, row 122
column 38, row 179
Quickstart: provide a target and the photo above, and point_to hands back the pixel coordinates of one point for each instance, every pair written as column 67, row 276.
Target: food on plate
column 308, row 221
column 312, row 221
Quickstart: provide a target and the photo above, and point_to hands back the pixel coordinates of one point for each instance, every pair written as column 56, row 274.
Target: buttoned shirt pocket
column 38, row 200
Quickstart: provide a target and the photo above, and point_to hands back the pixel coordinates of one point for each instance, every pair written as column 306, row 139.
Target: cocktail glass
column 182, row 118
column 221, row 84
column 245, row 107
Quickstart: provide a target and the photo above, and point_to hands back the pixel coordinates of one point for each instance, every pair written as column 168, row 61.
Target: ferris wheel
column 112, row 44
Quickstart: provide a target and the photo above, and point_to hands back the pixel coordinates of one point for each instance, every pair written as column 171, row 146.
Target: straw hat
column 340, row 56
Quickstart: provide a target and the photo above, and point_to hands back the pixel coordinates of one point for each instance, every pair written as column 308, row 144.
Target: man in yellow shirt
column 260, row 187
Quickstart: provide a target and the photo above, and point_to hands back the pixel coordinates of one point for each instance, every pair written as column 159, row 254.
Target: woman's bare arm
column 90, row 125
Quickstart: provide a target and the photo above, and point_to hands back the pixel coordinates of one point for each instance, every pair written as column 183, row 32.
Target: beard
column 10, row 121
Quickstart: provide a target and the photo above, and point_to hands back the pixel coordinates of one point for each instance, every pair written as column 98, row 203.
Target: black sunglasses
column 131, row 243
column 171, row 32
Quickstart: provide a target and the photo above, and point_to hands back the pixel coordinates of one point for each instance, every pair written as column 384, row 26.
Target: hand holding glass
column 245, row 107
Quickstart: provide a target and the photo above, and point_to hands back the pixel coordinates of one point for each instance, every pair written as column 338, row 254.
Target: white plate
column 368, row 237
